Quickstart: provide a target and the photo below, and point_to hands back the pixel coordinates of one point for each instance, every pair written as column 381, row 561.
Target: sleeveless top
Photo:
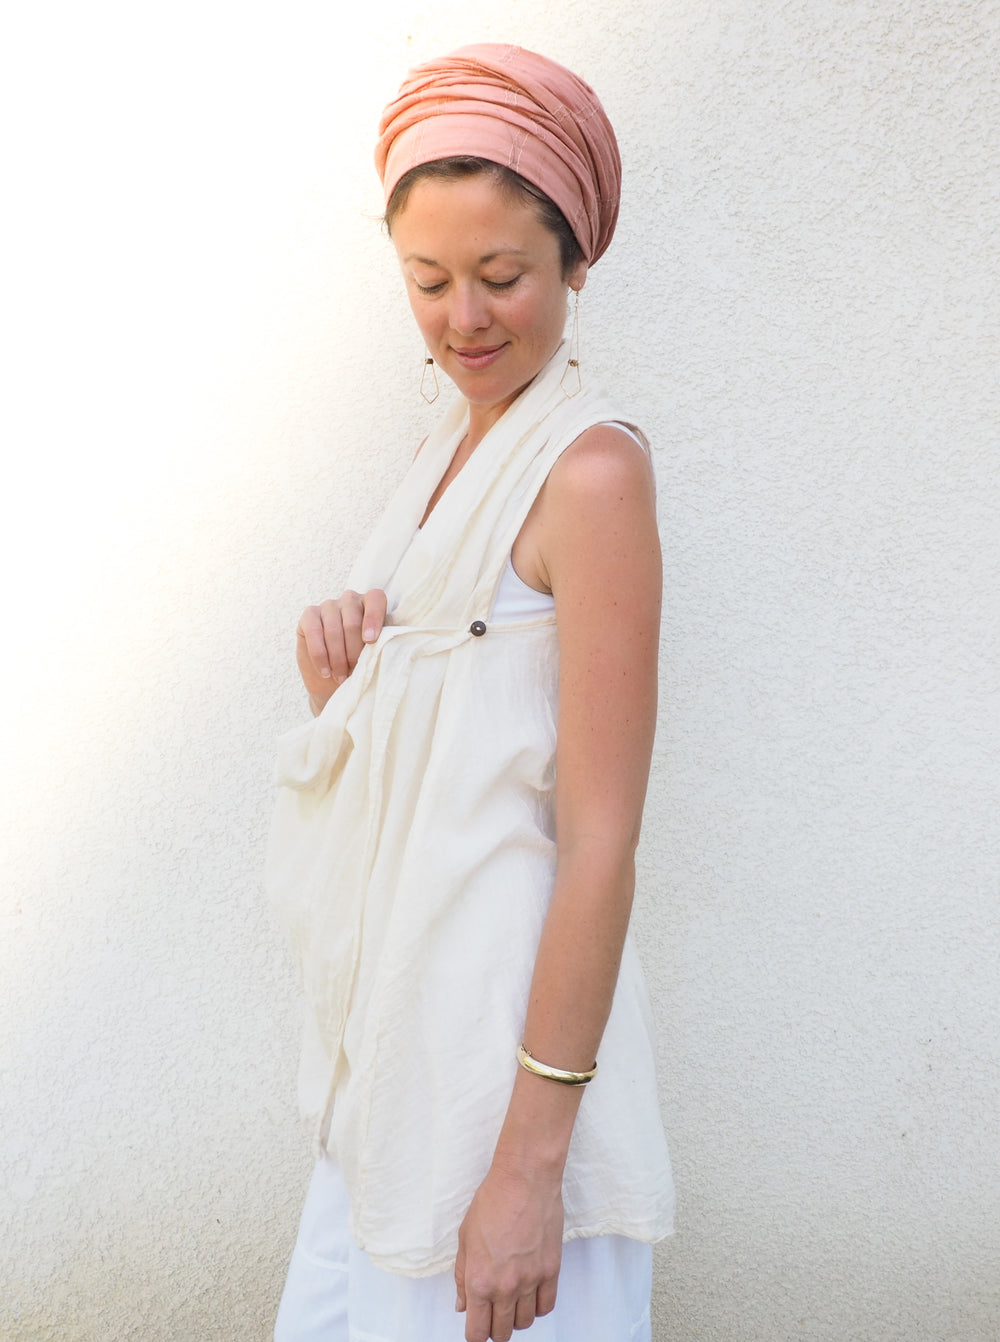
column 411, row 861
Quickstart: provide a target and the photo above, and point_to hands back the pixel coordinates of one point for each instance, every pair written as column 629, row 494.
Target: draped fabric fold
column 517, row 108
column 412, row 856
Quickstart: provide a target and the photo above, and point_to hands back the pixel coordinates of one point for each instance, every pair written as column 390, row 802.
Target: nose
column 469, row 310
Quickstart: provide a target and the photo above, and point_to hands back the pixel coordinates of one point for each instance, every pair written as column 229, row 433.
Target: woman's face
column 485, row 284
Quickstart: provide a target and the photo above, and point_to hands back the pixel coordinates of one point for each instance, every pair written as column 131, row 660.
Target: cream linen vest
column 411, row 860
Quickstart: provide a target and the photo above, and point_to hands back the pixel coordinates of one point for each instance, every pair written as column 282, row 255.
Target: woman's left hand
column 509, row 1251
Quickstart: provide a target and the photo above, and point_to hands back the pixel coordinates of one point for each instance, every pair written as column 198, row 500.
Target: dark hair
column 512, row 184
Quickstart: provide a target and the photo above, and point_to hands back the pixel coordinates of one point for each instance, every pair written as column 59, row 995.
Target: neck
column 483, row 417
column 481, row 420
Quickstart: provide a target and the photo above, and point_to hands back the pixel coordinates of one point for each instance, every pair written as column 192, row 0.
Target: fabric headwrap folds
column 521, row 110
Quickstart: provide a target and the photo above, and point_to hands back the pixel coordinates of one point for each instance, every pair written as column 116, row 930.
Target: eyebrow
column 483, row 260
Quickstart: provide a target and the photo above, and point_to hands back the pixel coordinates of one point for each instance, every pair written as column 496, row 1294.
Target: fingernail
column 325, row 672
column 340, row 681
column 370, row 635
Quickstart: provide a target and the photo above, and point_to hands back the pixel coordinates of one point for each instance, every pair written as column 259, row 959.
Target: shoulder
column 597, row 502
column 606, row 468
column 594, row 523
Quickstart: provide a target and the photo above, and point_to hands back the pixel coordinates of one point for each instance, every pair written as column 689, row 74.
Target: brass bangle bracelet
column 531, row 1064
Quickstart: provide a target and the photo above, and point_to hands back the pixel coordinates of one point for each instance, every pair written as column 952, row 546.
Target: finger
column 545, row 1296
column 460, row 1280
column 310, row 632
column 333, row 654
column 351, row 613
column 524, row 1312
column 375, row 604
column 503, row 1320
column 478, row 1320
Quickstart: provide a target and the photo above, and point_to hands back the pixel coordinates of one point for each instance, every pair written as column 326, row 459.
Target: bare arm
column 596, row 539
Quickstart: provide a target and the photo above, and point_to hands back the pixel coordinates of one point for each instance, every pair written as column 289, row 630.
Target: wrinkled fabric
column 411, row 861
column 335, row 1293
column 521, row 110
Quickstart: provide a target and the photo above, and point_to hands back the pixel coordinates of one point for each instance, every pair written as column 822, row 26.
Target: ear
column 577, row 277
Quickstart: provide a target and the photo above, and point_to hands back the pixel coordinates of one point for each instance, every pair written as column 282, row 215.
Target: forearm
column 576, row 969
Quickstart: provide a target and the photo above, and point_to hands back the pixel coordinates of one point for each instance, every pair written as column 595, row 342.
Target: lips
column 480, row 357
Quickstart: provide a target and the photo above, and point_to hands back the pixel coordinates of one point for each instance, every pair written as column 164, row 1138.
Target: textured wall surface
column 214, row 388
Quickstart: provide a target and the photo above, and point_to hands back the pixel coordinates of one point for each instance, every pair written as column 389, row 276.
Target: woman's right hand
column 329, row 639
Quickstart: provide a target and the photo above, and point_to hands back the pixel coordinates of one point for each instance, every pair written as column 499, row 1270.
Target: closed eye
column 501, row 284
column 430, row 288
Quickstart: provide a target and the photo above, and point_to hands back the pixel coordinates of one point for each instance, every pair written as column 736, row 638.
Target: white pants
column 335, row 1293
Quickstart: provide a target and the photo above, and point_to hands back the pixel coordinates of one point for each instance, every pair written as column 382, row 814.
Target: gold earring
column 571, row 382
column 429, row 388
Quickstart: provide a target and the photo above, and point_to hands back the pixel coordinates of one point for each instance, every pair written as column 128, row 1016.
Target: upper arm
column 598, row 543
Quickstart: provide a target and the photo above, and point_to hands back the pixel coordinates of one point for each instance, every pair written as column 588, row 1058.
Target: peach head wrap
column 518, row 109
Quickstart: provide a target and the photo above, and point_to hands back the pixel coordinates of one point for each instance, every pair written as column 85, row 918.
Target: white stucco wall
column 214, row 387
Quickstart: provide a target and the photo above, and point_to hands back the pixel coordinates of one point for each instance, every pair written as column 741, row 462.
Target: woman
column 461, row 917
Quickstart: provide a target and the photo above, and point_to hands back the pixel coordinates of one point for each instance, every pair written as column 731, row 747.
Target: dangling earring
column 571, row 382
column 429, row 388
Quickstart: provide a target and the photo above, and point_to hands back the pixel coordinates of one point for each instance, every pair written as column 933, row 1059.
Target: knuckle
column 479, row 1284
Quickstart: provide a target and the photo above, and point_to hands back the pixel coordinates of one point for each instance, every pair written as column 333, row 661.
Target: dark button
column 478, row 628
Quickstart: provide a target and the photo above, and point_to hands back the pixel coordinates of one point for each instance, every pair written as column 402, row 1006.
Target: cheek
column 424, row 319
column 528, row 316
column 543, row 312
